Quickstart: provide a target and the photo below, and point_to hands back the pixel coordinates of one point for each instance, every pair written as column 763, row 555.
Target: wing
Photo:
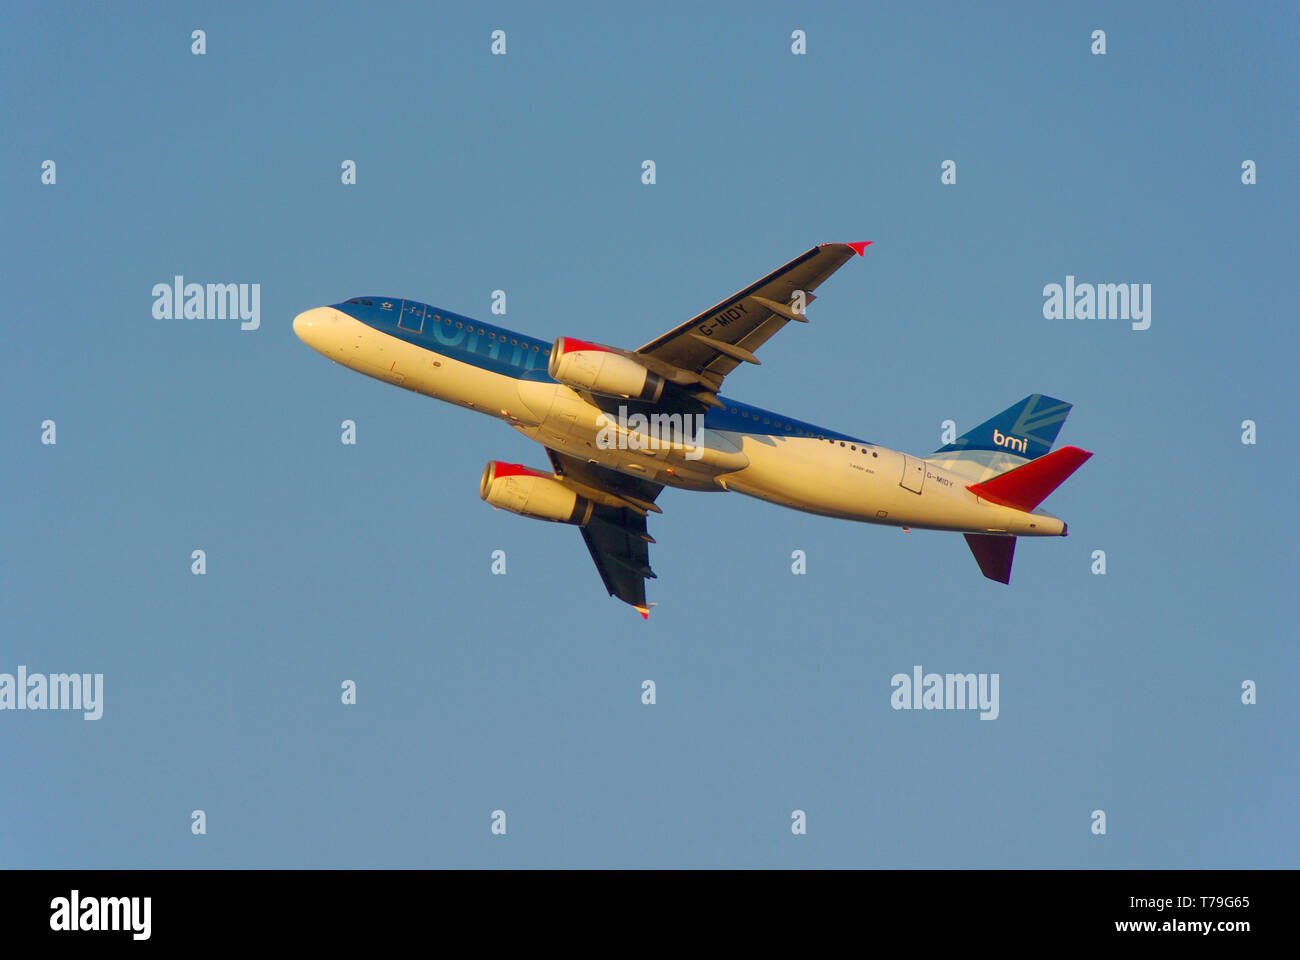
column 616, row 534
column 705, row 349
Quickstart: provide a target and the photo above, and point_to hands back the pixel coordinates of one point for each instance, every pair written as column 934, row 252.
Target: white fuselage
column 832, row 477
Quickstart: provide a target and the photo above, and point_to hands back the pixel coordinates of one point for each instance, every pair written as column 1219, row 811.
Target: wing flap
column 616, row 536
column 621, row 555
column 712, row 344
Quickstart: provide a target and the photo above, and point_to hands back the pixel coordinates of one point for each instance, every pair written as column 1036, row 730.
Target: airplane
column 620, row 425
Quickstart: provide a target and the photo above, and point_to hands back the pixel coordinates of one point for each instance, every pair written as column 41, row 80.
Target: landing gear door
column 913, row 474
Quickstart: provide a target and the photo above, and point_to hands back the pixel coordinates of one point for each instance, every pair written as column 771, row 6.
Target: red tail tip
column 859, row 248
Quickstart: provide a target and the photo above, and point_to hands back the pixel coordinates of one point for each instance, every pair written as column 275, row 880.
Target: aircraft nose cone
column 309, row 324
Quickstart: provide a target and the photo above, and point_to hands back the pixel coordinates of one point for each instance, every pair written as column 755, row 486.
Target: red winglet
column 1027, row 486
column 859, row 248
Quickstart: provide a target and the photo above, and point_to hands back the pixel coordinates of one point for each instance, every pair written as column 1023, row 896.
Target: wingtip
column 644, row 611
column 858, row 248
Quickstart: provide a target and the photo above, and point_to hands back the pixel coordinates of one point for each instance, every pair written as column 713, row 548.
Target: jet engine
column 532, row 493
column 603, row 370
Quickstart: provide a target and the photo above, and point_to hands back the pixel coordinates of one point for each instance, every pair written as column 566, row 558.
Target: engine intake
column 603, row 370
column 532, row 493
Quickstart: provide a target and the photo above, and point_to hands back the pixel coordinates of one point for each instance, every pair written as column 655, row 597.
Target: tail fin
column 1017, row 435
column 1027, row 486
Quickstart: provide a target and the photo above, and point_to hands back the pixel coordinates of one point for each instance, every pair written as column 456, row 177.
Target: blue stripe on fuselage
column 739, row 417
column 525, row 358
column 452, row 335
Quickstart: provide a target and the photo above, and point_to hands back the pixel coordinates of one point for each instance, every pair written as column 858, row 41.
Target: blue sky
column 521, row 692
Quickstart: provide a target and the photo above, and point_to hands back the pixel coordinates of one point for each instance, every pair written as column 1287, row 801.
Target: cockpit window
column 355, row 300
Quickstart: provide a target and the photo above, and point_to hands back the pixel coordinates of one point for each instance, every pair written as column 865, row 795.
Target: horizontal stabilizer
column 993, row 554
column 1026, row 487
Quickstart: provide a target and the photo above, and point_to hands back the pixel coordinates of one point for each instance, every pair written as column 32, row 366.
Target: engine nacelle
column 590, row 366
column 531, row 493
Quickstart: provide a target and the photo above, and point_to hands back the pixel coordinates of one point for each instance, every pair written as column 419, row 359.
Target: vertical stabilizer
column 1019, row 434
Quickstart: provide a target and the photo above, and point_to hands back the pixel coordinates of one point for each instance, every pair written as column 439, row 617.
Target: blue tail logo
column 1028, row 429
column 1018, row 444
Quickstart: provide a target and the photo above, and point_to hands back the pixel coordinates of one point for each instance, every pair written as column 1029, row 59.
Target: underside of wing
column 621, row 556
column 616, row 535
column 702, row 351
